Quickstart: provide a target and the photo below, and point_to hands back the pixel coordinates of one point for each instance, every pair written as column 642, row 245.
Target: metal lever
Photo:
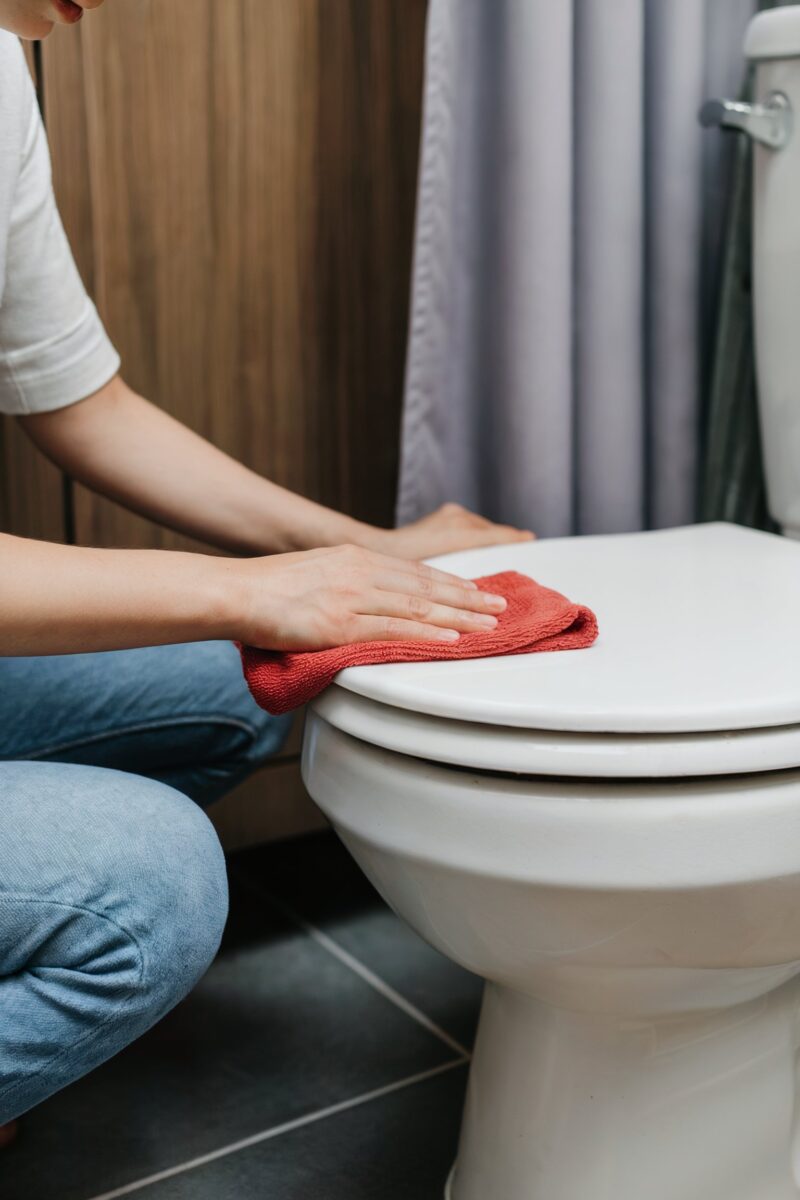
column 770, row 123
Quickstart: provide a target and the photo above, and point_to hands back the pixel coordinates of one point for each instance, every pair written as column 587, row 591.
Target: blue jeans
column 113, row 892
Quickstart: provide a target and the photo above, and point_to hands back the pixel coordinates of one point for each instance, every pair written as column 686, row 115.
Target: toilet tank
column 772, row 42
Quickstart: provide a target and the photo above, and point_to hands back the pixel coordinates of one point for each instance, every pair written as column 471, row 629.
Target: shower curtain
column 567, row 259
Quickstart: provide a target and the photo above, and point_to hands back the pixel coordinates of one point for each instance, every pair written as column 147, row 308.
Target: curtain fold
column 567, row 259
column 609, row 360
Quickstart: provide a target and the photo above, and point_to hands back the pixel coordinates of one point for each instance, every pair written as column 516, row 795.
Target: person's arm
column 58, row 599
column 122, row 446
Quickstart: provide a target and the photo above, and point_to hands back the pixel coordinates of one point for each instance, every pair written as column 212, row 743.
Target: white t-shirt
column 53, row 347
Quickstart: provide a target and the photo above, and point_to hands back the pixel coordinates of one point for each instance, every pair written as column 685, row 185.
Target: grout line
column 375, row 981
column 275, row 1131
column 379, row 985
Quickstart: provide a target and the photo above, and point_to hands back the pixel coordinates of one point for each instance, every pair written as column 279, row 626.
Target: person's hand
column 449, row 528
column 316, row 599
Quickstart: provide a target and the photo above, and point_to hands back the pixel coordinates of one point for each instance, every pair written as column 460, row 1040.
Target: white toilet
column 611, row 837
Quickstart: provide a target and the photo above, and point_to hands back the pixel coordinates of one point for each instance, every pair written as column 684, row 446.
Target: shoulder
column 17, row 102
column 16, row 88
column 13, row 69
column 15, row 85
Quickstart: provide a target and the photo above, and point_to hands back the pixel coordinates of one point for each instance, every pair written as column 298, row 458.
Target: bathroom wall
column 238, row 182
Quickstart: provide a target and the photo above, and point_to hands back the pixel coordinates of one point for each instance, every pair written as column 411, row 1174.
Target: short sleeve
column 53, row 347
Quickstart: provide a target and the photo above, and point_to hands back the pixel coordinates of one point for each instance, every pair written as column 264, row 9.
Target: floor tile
column 319, row 879
column 277, row 1028
column 400, row 1147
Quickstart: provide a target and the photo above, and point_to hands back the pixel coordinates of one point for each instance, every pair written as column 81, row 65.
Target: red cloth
column 537, row 618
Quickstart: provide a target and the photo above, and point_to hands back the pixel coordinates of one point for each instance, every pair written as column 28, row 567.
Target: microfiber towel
column 537, row 618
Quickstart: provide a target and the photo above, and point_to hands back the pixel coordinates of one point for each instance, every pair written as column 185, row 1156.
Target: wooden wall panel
column 31, row 489
column 271, row 805
column 238, row 181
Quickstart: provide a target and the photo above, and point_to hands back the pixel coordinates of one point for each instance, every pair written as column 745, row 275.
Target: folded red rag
column 537, row 618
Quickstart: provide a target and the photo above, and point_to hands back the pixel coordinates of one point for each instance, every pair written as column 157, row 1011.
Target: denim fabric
column 112, row 885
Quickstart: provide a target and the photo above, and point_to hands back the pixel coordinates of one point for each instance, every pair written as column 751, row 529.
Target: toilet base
column 698, row 1106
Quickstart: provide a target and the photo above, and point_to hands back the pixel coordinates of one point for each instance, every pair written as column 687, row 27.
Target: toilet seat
column 696, row 671
column 550, row 752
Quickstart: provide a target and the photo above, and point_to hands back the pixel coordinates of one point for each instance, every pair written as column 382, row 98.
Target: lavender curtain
column 566, row 260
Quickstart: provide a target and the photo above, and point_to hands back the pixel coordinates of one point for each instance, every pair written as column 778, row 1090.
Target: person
column 123, row 708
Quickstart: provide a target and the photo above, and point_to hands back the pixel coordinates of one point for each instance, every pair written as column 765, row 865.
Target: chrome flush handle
column 769, row 122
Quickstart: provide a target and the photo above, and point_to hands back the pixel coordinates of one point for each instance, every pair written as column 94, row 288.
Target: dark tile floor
column 318, row 1059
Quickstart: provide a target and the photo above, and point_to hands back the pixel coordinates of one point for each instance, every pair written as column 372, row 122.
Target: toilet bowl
column 610, row 838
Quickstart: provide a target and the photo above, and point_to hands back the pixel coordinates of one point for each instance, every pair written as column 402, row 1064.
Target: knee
column 178, row 906
column 113, row 900
column 153, row 873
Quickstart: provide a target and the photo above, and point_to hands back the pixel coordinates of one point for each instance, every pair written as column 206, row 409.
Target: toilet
column 610, row 838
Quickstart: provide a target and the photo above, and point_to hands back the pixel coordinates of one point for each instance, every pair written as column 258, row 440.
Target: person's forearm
column 67, row 599
column 122, row 446
column 64, row 599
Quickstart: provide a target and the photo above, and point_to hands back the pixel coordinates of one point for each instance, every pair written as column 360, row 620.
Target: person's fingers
column 397, row 629
column 475, row 520
column 421, row 610
column 504, row 533
column 464, row 517
column 497, row 535
column 454, row 595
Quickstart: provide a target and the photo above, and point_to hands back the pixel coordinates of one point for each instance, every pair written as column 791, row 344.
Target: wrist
column 377, row 539
column 226, row 597
column 330, row 528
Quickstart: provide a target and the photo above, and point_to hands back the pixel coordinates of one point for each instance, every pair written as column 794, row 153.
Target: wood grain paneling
column 271, row 804
column 31, row 489
column 238, row 181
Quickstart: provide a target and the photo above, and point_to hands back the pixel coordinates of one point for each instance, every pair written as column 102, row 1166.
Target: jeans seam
column 5, row 1093
column 141, row 727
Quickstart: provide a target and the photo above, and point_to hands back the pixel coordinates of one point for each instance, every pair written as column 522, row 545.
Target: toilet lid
column 699, row 635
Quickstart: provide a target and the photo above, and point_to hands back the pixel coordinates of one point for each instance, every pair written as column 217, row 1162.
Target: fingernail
column 485, row 619
column 448, row 635
column 498, row 602
column 472, row 587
